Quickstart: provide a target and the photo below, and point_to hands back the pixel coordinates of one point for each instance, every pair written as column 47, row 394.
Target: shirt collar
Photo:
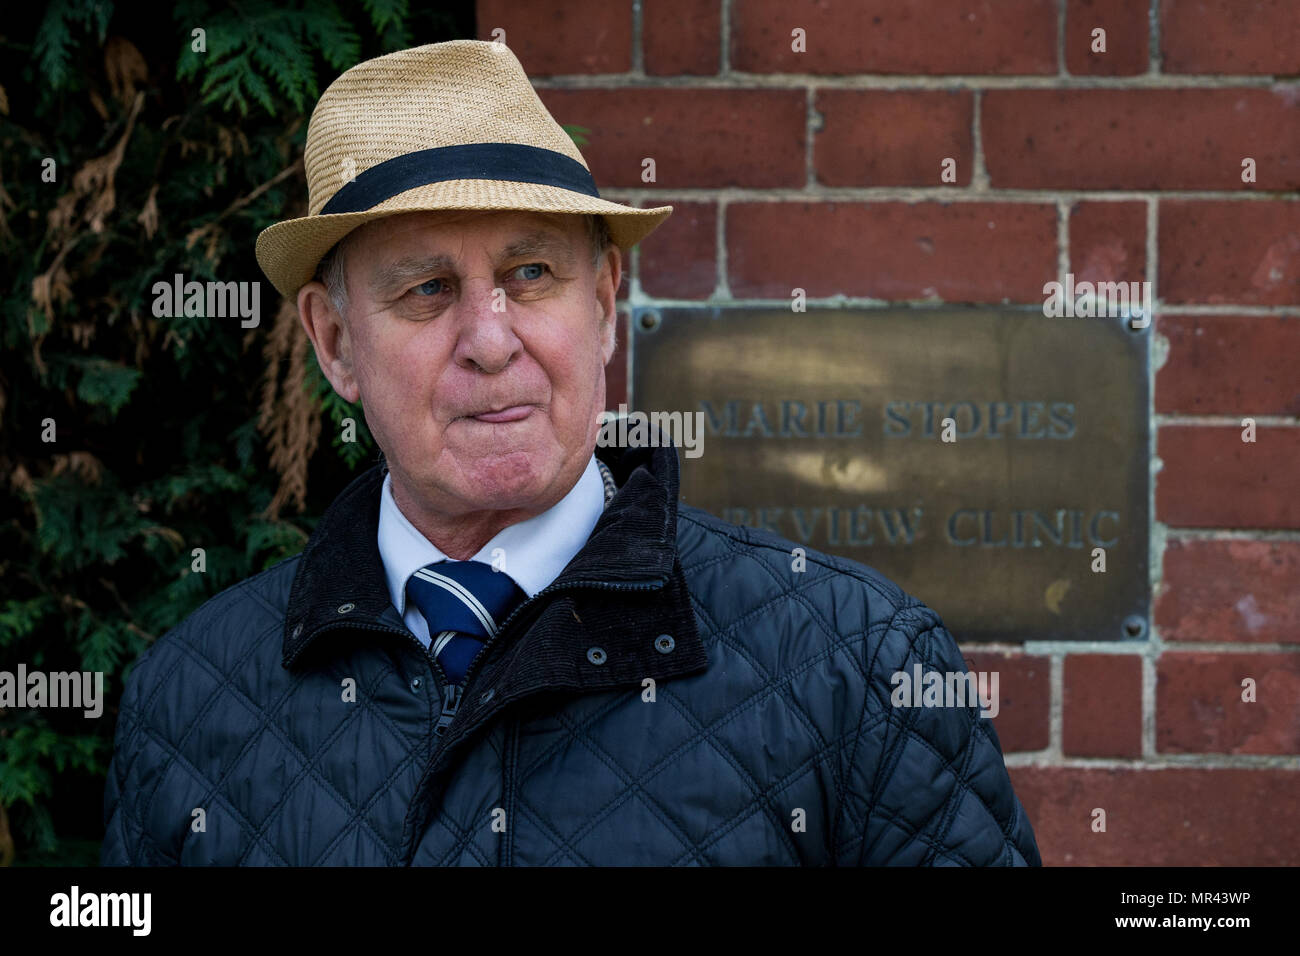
column 533, row 552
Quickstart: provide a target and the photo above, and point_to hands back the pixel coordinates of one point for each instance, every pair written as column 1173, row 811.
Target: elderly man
column 503, row 646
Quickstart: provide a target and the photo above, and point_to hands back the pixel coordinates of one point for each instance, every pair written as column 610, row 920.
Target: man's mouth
column 512, row 413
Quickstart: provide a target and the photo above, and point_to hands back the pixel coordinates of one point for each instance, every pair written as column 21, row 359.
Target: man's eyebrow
column 395, row 274
column 542, row 242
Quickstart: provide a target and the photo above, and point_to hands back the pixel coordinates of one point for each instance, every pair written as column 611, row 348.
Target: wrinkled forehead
column 504, row 227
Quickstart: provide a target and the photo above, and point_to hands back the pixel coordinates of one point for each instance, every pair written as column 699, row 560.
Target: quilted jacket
column 681, row 694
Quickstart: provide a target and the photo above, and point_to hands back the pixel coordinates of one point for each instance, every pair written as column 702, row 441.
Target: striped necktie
column 464, row 602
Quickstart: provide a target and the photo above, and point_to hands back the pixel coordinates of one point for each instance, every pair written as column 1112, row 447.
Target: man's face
column 477, row 344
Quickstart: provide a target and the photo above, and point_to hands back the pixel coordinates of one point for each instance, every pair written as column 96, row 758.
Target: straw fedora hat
column 453, row 125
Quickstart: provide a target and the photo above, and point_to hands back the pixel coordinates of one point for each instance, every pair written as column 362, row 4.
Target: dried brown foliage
column 83, row 207
column 125, row 68
column 289, row 416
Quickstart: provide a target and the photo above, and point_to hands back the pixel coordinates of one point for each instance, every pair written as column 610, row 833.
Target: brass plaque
column 828, row 427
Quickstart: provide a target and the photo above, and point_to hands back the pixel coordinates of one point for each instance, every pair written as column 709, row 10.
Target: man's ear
column 607, row 281
column 329, row 337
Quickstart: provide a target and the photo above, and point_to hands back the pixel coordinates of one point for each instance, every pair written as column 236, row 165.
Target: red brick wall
column 1123, row 166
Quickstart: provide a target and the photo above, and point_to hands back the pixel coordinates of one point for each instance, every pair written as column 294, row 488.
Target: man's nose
column 487, row 341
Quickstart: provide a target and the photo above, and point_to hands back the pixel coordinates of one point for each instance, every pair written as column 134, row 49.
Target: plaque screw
column 1135, row 626
column 650, row 321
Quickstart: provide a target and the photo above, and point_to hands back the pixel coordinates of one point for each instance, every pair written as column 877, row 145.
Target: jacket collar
column 626, row 580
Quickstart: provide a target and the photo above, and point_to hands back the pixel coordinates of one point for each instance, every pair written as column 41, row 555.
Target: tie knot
column 466, row 596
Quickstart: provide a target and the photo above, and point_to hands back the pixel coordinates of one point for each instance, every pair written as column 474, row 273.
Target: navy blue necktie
column 464, row 602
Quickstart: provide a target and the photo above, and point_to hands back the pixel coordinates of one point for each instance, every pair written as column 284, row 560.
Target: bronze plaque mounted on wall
column 991, row 462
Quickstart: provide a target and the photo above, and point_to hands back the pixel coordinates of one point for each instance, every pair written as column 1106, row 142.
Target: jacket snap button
column 415, row 683
column 344, row 608
column 487, row 695
column 664, row 643
column 596, row 655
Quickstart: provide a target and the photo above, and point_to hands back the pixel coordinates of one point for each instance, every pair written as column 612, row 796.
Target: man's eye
column 427, row 288
column 534, row 265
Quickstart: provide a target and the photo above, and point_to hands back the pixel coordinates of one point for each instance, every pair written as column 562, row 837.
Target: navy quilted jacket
column 739, row 714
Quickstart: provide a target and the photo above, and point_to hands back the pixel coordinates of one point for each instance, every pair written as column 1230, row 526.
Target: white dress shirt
column 533, row 552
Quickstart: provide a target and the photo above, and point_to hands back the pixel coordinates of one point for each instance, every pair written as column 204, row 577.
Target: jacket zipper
column 451, row 694
column 451, row 697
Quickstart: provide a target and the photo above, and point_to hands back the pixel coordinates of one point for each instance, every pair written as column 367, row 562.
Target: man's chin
column 512, row 480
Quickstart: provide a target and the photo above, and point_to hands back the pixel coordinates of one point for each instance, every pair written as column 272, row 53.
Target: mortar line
column 724, row 54
column 741, row 81
column 1231, row 421
column 1062, row 240
column 980, row 183
column 1234, row 534
column 1155, row 56
column 1056, row 708
column 812, row 121
column 944, row 194
column 1165, row 761
column 723, row 287
column 638, row 52
column 1061, row 14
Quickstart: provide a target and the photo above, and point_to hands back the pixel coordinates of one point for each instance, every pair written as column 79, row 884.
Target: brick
column 1235, row 253
column 1199, row 707
column 680, row 260
column 697, row 138
column 1230, row 364
column 884, row 36
column 954, row 252
column 1230, row 591
column 1141, row 139
column 1230, row 36
column 1174, row 817
column 616, row 370
column 1212, row 479
column 893, row 138
column 1024, row 697
column 1127, row 33
column 559, row 36
column 1102, row 705
column 1108, row 241
column 681, row 37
